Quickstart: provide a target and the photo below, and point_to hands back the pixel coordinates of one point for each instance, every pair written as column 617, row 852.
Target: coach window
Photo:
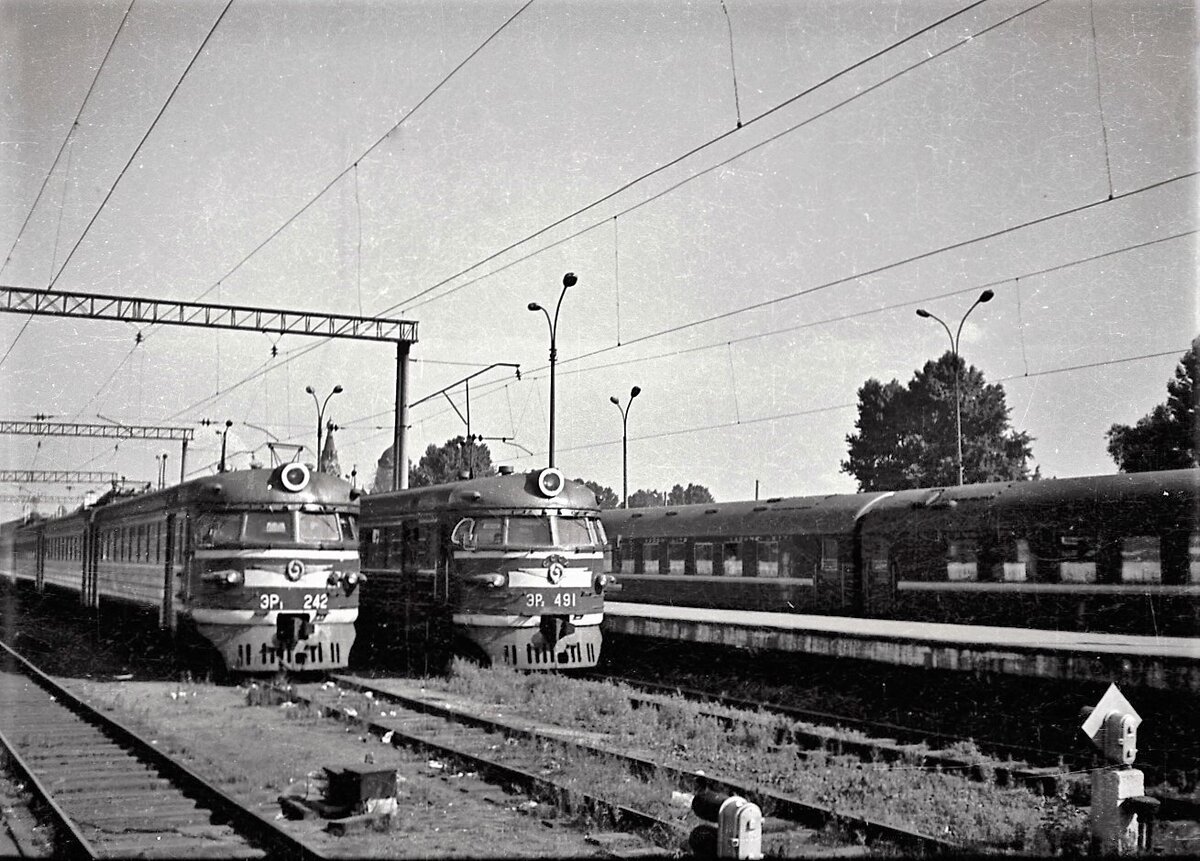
column 1078, row 555
column 768, row 558
column 704, row 558
column 962, row 559
column 651, row 553
column 731, row 559
column 677, row 557
column 1140, row 560
column 1015, row 562
column 488, row 532
column 1194, row 557
column 829, row 554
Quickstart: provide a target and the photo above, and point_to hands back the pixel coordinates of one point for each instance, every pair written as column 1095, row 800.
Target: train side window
column 393, row 547
column 1078, row 555
column 1194, row 557
column 768, row 558
column 731, row 559
column 704, row 558
column 651, row 553
column 677, row 557
column 962, row 559
column 1015, row 564
column 349, row 527
column 829, row 553
column 1140, row 560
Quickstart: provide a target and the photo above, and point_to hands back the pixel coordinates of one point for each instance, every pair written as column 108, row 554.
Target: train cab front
column 274, row 579
column 532, row 584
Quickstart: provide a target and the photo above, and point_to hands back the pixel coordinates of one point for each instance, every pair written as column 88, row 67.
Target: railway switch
column 738, row 832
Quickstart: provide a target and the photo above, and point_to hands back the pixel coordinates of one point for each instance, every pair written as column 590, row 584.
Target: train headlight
column 495, row 580
column 235, row 578
column 600, row 582
column 350, row 581
column 334, row 578
column 294, row 477
column 550, row 481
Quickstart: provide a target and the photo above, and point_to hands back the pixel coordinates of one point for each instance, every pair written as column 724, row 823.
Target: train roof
column 237, row 488
column 514, row 490
column 1168, row 495
column 794, row 515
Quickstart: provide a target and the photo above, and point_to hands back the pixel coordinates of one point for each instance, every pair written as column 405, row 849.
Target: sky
column 755, row 197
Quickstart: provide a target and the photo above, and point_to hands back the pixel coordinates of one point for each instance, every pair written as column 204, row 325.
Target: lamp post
column 337, row 390
column 985, row 296
column 224, row 437
column 633, row 393
column 568, row 281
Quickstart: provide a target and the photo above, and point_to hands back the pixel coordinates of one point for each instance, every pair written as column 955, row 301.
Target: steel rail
column 68, row 838
column 245, row 821
column 771, row 802
column 567, row 798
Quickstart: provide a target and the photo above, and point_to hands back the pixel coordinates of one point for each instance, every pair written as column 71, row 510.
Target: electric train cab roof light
column 550, row 481
column 294, row 477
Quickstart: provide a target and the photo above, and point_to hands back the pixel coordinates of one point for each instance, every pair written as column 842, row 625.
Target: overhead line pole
column 136, row 309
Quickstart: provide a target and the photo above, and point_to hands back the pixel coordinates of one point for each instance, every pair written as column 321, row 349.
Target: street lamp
column 224, row 438
column 337, row 390
column 568, row 281
column 633, row 393
column 985, row 296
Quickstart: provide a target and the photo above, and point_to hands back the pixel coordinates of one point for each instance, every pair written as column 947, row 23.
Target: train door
column 39, row 566
column 167, row 617
column 877, row 574
column 88, row 566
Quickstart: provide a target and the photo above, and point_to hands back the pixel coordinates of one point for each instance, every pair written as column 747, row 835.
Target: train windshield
column 579, row 533
column 532, row 530
column 216, row 529
column 529, row 532
column 275, row 527
column 318, row 528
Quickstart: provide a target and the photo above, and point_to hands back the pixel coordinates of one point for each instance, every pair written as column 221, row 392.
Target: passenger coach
column 1116, row 553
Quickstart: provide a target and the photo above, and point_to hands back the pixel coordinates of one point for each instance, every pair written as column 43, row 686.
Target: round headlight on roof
column 294, row 477
column 550, row 481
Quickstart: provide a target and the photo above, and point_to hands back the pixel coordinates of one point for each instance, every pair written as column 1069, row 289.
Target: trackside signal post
column 1122, row 815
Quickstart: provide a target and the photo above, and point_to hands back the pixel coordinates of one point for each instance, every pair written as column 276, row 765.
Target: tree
column 907, row 436
column 439, row 465
column 679, row 495
column 1165, row 438
column 693, row 494
column 646, row 499
column 606, row 497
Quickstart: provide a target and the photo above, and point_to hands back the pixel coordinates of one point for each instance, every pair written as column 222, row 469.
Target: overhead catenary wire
column 408, row 303
column 529, row 375
column 112, row 188
column 67, row 139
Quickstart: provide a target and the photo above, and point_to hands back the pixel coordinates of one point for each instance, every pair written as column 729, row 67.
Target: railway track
column 469, row 737
column 1040, row 770
column 109, row 793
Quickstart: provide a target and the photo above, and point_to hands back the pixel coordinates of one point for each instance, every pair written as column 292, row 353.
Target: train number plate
column 552, row 599
column 290, row 600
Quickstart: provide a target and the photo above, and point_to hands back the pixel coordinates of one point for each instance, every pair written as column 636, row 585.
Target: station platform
column 1161, row 663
